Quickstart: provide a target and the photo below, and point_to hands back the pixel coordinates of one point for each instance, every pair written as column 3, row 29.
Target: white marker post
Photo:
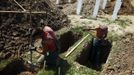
column 69, row 1
column 116, row 9
column 57, row 2
column 96, row 9
column 104, row 4
column 101, row 3
column 79, row 6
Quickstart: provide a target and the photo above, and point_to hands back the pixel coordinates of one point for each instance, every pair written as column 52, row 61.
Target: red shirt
column 49, row 41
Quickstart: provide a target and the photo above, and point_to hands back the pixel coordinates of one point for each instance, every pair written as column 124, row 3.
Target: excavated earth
column 121, row 62
column 14, row 27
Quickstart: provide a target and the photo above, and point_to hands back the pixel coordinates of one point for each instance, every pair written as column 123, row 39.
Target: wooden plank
column 76, row 46
column 19, row 5
column 24, row 12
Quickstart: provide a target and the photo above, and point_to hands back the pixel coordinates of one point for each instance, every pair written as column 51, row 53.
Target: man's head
column 101, row 31
column 48, row 36
column 48, row 30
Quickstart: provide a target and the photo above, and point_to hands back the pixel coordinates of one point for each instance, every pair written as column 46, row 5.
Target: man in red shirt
column 50, row 47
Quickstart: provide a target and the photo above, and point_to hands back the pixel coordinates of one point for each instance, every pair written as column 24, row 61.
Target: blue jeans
column 96, row 51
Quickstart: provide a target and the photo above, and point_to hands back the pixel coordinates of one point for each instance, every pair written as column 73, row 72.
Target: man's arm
column 42, row 50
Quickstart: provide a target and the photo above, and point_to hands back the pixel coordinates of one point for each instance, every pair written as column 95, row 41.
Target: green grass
column 81, row 71
column 112, row 37
column 4, row 63
column 68, row 66
column 122, row 22
column 42, row 72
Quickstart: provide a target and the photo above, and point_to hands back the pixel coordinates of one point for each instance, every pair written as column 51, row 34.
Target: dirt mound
column 14, row 27
column 122, row 62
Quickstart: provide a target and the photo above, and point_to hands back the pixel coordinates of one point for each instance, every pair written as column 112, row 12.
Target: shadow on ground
column 68, row 39
column 16, row 67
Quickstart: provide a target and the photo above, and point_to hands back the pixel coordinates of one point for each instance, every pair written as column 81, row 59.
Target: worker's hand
column 42, row 50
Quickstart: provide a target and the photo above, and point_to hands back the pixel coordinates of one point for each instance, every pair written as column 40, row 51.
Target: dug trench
column 87, row 56
column 68, row 39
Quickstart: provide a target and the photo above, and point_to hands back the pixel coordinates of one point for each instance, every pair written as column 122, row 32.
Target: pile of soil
column 121, row 62
column 14, row 27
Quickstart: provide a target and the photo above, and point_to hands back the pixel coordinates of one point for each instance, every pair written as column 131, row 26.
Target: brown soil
column 121, row 62
column 14, row 28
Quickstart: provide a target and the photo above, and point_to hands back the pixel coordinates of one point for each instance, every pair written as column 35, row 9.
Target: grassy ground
column 69, row 65
column 3, row 63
